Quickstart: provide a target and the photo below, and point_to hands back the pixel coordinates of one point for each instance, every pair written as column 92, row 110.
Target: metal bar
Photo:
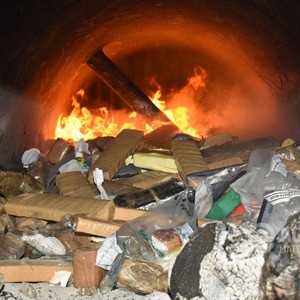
column 125, row 88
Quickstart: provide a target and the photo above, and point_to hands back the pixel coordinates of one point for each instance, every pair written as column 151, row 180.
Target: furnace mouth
column 227, row 100
column 252, row 62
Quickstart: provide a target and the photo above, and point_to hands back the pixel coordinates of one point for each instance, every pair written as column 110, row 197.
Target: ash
column 232, row 269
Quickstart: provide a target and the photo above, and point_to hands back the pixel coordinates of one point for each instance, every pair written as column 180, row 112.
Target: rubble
column 201, row 219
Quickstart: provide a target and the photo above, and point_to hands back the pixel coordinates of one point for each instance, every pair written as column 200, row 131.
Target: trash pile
column 199, row 219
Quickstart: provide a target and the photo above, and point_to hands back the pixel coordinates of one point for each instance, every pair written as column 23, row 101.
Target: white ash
column 232, row 269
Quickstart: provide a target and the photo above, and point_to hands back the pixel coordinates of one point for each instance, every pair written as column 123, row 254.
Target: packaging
column 14, row 183
column 224, row 206
column 238, row 211
column 55, row 207
column 47, row 245
column 218, row 139
column 159, row 193
column 33, row 270
column 143, row 277
column 188, row 157
column 127, row 214
column 148, row 179
column 232, row 161
column 75, row 184
column 96, row 227
column 6, row 224
column 277, row 208
column 263, row 176
column 30, row 156
column 58, row 151
column 40, row 170
column 116, row 153
column 114, row 188
column 86, row 273
column 32, row 223
column 11, row 247
column 243, row 150
column 210, row 185
column 165, row 240
column 153, row 161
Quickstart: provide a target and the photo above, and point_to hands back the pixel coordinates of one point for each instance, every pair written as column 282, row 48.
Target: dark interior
column 249, row 48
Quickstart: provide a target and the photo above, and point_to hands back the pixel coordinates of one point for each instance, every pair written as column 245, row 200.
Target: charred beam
column 124, row 87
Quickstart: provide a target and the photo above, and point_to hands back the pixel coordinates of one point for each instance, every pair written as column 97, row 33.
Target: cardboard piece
column 153, row 161
column 115, row 188
column 54, row 207
column 116, row 152
column 231, row 161
column 127, row 214
column 218, row 139
column 32, row 270
column 76, row 185
column 188, row 157
column 58, row 151
column 86, row 273
column 96, row 227
column 243, row 150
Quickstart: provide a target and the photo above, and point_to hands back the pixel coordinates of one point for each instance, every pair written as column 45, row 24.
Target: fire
column 86, row 124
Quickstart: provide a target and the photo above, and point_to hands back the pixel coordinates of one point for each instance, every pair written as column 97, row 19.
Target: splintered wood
column 75, row 184
column 188, row 158
column 116, row 153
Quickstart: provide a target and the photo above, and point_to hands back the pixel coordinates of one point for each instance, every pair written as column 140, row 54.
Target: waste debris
column 209, row 218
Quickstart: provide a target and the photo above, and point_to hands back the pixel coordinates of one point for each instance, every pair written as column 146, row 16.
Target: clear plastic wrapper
column 28, row 290
column 46, row 245
column 279, row 203
column 266, row 173
column 6, row 224
column 134, row 240
column 54, row 238
column 30, row 156
column 11, row 247
column 210, row 185
column 143, row 277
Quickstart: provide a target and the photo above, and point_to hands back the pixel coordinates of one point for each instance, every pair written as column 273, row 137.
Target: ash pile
column 210, row 218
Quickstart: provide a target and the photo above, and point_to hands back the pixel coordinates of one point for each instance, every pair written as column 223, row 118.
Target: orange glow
column 181, row 109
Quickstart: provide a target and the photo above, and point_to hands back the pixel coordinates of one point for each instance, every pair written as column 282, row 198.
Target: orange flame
column 86, row 124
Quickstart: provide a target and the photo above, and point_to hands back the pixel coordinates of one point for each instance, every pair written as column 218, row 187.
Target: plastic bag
column 279, row 204
column 253, row 186
column 11, row 247
column 180, row 208
column 30, row 156
column 210, row 185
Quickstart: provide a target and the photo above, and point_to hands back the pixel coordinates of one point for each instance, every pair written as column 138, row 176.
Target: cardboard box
column 231, row 161
column 76, row 185
column 114, row 155
column 147, row 179
column 218, row 139
column 32, row 270
column 188, row 157
column 127, row 214
column 96, row 227
column 54, row 207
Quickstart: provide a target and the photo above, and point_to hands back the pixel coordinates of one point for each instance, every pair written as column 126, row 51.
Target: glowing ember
column 88, row 124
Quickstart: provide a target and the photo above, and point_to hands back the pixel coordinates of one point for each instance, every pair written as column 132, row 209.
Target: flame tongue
column 85, row 124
